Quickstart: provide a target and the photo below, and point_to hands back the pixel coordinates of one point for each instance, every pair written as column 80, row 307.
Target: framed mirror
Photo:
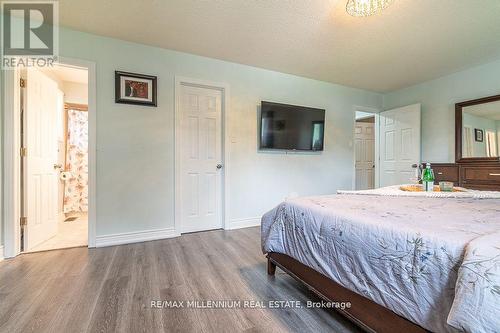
column 477, row 130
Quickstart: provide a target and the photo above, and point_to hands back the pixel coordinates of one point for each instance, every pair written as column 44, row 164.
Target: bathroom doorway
column 54, row 162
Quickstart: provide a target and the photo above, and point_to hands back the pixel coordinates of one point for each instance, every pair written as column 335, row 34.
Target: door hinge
column 24, row 152
column 22, row 83
column 23, row 221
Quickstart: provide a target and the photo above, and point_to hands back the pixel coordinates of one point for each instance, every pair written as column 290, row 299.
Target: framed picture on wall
column 131, row 88
column 479, row 134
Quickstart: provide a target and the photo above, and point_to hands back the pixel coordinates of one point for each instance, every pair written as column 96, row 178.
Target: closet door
column 364, row 138
column 201, row 165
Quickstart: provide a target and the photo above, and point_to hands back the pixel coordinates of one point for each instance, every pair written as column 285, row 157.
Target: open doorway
column 365, row 150
column 54, row 164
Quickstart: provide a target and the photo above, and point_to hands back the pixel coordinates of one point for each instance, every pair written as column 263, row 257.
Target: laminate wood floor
column 111, row 289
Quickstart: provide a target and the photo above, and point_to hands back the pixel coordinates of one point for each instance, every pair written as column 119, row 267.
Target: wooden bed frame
column 365, row 313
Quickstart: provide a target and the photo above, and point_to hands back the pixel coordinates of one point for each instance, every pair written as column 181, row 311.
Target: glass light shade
column 362, row 8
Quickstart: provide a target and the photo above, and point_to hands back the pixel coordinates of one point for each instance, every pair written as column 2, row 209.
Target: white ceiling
column 486, row 110
column 408, row 43
column 69, row 74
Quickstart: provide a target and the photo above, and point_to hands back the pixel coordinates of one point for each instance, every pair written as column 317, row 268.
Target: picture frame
column 479, row 135
column 137, row 89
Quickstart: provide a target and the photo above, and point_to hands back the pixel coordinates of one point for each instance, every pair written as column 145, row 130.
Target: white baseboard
column 135, row 237
column 244, row 223
column 1, row 253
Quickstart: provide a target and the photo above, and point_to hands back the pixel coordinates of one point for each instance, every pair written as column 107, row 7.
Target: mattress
column 432, row 260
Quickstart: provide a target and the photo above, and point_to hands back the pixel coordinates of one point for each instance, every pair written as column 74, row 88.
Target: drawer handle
column 440, row 173
column 495, row 174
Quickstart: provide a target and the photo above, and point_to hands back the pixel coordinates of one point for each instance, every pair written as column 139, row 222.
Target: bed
column 411, row 261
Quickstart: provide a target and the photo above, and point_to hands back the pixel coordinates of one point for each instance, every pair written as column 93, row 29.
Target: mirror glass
column 481, row 130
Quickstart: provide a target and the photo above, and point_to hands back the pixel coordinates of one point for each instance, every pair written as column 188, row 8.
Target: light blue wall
column 135, row 145
column 438, row 98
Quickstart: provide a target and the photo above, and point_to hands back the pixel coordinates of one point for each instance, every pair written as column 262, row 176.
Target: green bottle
column 428, row 178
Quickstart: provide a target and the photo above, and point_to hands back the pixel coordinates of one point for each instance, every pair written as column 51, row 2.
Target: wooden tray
column 420, row 188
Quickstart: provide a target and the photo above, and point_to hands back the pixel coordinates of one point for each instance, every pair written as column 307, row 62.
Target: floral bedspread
column 434, row 261
column 477, row 293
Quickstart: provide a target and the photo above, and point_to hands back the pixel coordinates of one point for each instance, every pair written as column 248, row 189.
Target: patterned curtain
column 76, row 187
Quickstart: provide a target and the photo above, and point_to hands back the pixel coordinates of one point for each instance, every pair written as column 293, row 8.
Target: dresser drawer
column 448, row 173
column 482, row 187
column 480, row 175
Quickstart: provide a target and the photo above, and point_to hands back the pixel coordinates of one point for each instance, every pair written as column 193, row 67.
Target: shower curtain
column 76, row 188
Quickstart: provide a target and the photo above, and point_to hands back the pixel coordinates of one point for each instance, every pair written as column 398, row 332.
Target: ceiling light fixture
column 363, row 8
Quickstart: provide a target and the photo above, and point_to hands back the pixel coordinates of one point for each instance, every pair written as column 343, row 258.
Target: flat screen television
column 291, row 127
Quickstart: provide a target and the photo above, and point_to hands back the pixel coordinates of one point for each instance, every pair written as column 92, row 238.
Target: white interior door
column 399, row 144
column 200, row 158
column 364, row 146
column 41, row 178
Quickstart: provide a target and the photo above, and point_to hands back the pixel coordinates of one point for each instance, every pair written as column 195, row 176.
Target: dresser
column 472, row 175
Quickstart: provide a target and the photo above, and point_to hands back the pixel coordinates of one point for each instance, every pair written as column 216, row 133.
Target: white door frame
column 11, row 156
column 375, row 113
column 224, row 89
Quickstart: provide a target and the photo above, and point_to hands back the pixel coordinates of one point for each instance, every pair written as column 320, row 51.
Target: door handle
column 219, row 166
column 495, row 174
